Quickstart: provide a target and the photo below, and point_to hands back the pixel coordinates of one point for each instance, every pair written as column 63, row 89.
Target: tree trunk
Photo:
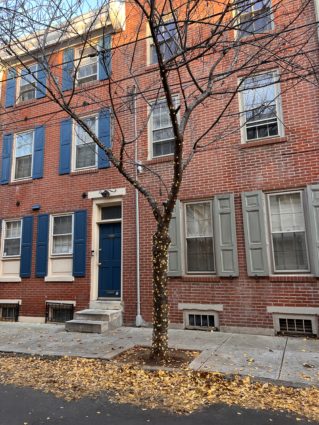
column 161, row 243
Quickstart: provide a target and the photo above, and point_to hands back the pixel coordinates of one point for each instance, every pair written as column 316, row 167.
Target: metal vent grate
column 200, row 321
column 59, row 312
column 291, row 326
column 9, row 312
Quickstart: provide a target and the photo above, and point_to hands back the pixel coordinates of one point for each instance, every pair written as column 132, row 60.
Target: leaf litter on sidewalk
column 180, row 391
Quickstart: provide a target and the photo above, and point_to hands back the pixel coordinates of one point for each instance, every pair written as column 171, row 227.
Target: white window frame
column 239, row 15
column 279, row 113
column 3, row 238
column 19, row 100
column 184, row 237
column 74, row 139
column 60, row 255
column 13, row 168
column 150, row 43
column 150, row 126
column 270, row 233
column 78, row 51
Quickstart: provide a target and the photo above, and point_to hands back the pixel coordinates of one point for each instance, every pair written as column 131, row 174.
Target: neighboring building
column 245, row 233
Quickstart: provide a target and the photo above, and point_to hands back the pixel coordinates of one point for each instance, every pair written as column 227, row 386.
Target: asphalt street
column 25, row 406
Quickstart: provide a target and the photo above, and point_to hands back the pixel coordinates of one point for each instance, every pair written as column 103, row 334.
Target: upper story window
column 199, row 237
column 254, row 16
column 27, row 87
column 260, row 103
column 162, row 138
column 85, row 148
column 288, row 232
column 62, row 234
column 167, row 37
column 23, row 153
column 12, row 238
column 88, row 65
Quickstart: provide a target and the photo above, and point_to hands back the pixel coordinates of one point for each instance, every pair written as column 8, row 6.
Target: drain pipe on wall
column 139, row 319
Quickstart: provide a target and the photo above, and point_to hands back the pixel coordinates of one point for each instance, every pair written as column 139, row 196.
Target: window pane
column 167, row 36
column 11, row 247
column 111, row 213
column 286, row 212
column 86, row 156
column 23, row 167
column 13, row 229
column 82, row 137
column 199, row 219
column 24, row 143
column 200, row 255
column 290, row 251
column 62, row 244
column 259, row 97
column 163, row 148
column 62, row 225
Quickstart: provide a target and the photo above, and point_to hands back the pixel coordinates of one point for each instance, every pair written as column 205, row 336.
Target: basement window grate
column 201, row 321
column 9, row 312
column 294, row 326
column 58, row 312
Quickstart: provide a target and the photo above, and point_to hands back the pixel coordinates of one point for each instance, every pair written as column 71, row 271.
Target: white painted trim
column 31, row 319
column 201, row 307
column 10, row 279
column 10, row 301
column 293, row 310
column 313, row 318
column 97, row 194
column 59, row 279
column 14, row 159
column 60, row 302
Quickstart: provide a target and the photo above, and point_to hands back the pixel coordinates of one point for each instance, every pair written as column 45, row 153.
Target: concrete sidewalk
column 294, row 360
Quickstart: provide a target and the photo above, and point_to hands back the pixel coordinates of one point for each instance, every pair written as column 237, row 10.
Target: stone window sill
column 87, row 171
column 9, row 279
column 159, row 160
column 59, row 279
column 263, row 142
column 293, row 278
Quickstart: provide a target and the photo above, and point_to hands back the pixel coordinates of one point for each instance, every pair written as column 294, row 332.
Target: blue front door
column 110, row 260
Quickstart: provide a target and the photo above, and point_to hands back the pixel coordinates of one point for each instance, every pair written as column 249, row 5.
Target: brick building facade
column 244, row 253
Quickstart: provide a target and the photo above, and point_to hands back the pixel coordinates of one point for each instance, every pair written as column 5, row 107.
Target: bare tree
column 201, row 54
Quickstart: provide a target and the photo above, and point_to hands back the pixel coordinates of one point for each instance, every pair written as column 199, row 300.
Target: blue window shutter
column 65, row 146
column 105, row 57
column 104, row 137
column 79, row 243
column 26, row 246
column 39, row 138
column 6, row 158
column 41, row 83
column 67, row 69
column 41, row 266
column 11, row 88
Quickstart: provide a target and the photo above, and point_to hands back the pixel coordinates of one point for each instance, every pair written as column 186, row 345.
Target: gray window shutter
column 255, row 233
column 313, row 210
column 174, row 250
column 225, row 235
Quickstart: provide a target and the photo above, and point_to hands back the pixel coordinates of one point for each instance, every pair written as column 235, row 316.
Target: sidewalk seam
column 282, row 359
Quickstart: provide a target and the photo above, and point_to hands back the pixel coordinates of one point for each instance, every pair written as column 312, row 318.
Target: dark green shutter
column 313, row 236
column 105, row 57
column 174, row 251
column 41, row 267
column 225, row 235
column 255, row 233
column 79, row 243
column 26, row 246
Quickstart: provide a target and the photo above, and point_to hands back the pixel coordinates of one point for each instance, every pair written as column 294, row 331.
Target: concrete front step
column 97, row 315
column 106, row 305
column 87, row 326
